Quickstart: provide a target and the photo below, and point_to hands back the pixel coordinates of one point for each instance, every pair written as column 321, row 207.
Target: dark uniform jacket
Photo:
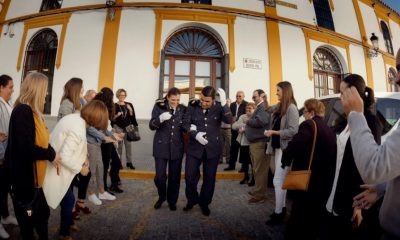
column 168, row 140
column 210, row 124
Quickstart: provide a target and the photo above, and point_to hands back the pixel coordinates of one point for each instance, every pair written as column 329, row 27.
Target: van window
column 388, row 112
column 337, row 118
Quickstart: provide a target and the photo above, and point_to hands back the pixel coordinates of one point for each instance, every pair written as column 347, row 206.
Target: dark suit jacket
column 210, row 124
column 349, row 181
column 168, row 140
column 22, row 152
column 241, row 109
column 323, row 165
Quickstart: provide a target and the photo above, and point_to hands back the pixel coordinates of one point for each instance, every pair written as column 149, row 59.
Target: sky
column 395, row 4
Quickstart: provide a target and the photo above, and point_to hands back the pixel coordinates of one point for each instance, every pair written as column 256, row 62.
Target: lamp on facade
column 110, row 9
column 375, row 45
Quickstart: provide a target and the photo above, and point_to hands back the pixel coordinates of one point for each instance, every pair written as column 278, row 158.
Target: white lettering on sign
column 252, row 63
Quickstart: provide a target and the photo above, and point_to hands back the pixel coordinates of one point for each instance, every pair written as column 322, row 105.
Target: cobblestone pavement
column 132, row 216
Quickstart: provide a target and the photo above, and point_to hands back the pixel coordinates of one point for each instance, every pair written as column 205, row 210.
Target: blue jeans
column 67, row 204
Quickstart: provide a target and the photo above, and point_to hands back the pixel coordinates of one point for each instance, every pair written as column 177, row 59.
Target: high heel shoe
column 84, row 209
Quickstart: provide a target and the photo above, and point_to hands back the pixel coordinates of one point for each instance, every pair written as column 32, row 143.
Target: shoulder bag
column 132, row 132
column 299, row 180
column 32, row 208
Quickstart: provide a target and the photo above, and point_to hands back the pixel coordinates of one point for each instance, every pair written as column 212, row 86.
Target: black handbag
column 32, row 208
column 132, row 133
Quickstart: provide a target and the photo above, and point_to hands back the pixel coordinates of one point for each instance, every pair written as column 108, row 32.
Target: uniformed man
column 167, row 120
column 203, row 120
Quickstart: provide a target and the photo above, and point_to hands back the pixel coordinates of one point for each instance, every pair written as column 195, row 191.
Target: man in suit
column 237, row 108
column 203, row 121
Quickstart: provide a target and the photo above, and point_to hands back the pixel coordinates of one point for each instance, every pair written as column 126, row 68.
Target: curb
column 149, row 175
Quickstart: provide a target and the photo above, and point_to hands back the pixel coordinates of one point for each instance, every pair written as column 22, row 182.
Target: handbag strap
column 313, row 145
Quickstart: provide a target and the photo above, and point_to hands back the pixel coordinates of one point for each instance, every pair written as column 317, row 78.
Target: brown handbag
column 298, row 180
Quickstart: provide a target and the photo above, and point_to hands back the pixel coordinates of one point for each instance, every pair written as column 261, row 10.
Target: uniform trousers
column 192, row 176
column 170, row 192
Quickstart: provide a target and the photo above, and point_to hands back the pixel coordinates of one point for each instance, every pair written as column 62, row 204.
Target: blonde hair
column 119, row 91
column 33, row 92
column 316, row 106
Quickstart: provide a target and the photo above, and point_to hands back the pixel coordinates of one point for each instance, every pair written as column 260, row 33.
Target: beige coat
column 69, row 139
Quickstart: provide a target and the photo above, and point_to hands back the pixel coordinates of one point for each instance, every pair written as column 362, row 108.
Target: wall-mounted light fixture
column 375, row 45
column 110, row 9
column 9, row 30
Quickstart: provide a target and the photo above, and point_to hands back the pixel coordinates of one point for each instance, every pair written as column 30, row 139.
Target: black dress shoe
column 158, row 204
column 276, row 218
column 130, row 166
column 229, row 169
column 205, row 211
column 244, row 180
column 188, row 207
column 116, row 189
column 172, row 207
column 251, row 183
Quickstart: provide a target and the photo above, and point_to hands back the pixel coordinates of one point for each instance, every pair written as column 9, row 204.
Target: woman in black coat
column 27, row 155
column 338, row 217
column 166, row 119
column 307, row 205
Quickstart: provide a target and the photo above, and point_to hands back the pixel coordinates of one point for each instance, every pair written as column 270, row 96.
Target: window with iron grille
column 323, row 14
column 392, row 75
column 193, row 59
column 327, row 72
column 50, row 4
column 40, row 56
column 209, row 2
column 387, row 38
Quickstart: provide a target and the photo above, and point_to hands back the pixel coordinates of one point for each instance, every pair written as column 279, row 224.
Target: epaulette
column 161, row 102
column 194, row 102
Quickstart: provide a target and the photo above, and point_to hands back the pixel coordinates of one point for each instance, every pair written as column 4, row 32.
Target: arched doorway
column 192, row 59
column 392, row 74
column 40, row 56
column 328, row 72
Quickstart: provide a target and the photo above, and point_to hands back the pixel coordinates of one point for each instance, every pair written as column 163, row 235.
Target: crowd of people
column 352, row 188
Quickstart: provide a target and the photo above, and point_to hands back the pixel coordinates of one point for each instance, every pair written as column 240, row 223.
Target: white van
column 387, row 108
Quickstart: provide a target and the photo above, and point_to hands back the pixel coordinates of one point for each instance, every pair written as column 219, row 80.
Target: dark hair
column 106, row 95
column 287, row 98
column 72, row 92
column 366, row 93
column 4, row 79
column 173, row 91
column 208, row 92
column 259, row 91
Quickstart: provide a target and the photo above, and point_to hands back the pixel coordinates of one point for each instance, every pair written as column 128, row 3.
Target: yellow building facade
column 147, row 47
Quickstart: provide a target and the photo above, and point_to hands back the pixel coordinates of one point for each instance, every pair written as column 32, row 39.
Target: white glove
column 200, row 138
column 193, row 127
column 165, row 116
column 221, row 96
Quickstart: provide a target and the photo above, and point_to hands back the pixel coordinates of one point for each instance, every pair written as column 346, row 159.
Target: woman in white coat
column 69, row 139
